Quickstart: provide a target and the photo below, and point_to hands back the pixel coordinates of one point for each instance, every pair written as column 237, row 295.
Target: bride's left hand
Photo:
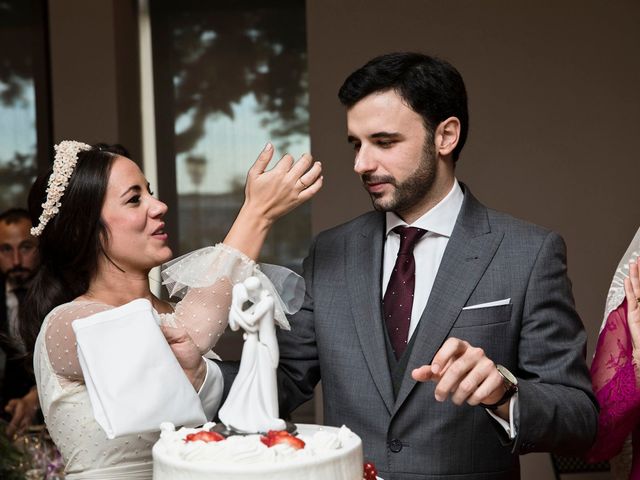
column 271, row 194
column 187, row 354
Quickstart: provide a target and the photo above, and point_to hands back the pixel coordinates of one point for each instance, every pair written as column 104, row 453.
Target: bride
column 101, row 231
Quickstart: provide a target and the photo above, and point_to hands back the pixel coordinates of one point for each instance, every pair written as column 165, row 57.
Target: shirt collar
column 440, row 219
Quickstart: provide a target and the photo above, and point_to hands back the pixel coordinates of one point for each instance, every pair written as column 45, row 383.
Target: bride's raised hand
column 273, row 193
column 632, row 291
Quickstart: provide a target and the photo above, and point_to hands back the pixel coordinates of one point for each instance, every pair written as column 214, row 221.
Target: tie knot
column 409, row 236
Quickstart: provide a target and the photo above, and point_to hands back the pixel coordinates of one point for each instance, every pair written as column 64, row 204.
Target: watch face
column 507, row 375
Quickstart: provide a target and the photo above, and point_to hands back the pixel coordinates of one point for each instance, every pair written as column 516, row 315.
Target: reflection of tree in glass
column 196, row 167
column 16, row 84
column 232, row 51
column 16, row 177
column 16, row 68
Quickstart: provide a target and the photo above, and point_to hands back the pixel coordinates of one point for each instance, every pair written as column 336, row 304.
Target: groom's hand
column 465, row 373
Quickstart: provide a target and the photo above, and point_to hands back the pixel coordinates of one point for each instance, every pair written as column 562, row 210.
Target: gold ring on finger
column 303, row 184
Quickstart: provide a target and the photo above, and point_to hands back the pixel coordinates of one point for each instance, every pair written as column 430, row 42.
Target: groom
column 444, row 332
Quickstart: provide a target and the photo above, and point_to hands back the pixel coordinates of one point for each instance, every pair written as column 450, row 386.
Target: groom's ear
column 446, row 136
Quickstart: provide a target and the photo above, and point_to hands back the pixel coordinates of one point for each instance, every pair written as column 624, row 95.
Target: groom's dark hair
column 432, row 87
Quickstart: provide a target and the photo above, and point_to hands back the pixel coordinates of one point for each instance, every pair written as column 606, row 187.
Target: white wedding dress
column 204, row 279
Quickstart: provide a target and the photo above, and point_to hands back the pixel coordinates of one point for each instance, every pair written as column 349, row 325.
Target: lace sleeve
column 204, row 280
column 614, row 383
column 203, row 312
column 60, row 340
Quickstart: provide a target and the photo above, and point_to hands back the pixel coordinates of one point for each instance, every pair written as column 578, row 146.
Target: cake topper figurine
column 252, row 403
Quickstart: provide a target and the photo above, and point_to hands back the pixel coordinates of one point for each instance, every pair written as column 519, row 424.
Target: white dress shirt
column 428, row 253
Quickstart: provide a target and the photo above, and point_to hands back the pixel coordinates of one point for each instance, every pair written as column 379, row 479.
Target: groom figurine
column 444, row 332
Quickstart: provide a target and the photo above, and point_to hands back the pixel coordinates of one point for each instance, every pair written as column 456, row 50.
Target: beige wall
column 94, row 72
column 554, row 104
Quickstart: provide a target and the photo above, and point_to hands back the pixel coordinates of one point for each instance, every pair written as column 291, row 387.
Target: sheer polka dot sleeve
column 204, row 280
column 60, row 340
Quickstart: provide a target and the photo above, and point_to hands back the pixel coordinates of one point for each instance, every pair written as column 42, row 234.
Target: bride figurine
column 252, row 404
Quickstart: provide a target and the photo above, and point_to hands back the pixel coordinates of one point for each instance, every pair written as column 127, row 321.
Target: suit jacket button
column 395, row 445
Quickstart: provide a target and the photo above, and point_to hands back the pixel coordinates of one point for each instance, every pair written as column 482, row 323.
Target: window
column 228, row 77
column 24, row 124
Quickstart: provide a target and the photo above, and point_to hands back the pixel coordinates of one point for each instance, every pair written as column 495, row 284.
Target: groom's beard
column 412, row 190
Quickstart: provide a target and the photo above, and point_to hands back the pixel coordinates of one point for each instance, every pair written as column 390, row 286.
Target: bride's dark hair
column 71, row 243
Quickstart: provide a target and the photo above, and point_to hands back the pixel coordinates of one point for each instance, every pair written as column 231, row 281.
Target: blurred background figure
column 18, row 262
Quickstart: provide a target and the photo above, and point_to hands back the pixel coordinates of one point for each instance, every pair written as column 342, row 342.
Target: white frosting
column 329, row 453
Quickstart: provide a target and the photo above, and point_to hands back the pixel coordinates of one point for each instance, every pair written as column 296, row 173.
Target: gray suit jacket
column 338, row 336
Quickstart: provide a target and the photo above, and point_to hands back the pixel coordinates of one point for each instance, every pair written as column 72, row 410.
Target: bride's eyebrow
column 133, row 188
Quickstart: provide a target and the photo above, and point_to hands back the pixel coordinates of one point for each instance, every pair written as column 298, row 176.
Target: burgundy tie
column 398, row 299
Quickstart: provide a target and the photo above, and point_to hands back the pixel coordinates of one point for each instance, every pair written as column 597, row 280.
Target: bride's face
column 137, row 240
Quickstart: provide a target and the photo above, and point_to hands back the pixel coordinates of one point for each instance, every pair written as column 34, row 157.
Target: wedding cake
column 234, row 450
column 316, row 453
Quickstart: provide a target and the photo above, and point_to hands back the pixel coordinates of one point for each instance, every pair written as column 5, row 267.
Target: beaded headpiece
column 63, row 165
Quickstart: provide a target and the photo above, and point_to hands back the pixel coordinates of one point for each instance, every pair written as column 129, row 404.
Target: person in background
column 18, row 263
column 615, row 371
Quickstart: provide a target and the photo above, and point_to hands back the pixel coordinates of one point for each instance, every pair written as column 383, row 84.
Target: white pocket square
column 495, row 303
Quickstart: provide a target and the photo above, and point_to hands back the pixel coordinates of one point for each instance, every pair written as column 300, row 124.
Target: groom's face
column 394, row 153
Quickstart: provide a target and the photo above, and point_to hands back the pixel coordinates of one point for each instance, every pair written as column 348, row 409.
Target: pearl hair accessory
column 63, row 165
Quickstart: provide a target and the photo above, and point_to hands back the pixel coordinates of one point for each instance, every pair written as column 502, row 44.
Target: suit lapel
column 363, row 272
column 470, row 249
